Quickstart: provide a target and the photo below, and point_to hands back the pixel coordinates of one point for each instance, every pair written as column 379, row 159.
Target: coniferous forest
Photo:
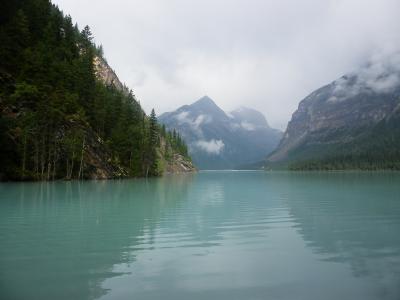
column 58, row 119
column 376, row 149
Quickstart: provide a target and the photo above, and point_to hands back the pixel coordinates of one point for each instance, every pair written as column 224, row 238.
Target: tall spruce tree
column 51, row 102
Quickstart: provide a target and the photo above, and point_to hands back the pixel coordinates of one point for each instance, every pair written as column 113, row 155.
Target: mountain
column 220, row 140
column 64, row 114
column 107, row 75
column 351, row 123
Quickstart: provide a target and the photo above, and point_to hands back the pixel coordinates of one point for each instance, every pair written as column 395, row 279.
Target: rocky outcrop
column 340, row 117
column 171, row 162
column 107, row 75
column 179, row 164
column 98, row 163
column 97, row 160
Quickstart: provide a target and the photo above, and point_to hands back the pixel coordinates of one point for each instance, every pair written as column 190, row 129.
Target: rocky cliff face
column 98, row 163
column 338, row 117
column 57, row 120
column 97, row 158
column 173, row 163
column 179, row 164
column 106, row 74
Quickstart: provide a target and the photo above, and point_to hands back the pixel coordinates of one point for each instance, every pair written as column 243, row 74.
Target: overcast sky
column 265, row 54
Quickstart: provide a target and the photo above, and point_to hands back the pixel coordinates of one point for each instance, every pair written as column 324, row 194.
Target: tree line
column 376, row 148
column 52, row 104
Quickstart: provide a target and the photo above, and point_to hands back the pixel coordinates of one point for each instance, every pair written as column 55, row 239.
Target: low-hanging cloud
column 380, row 75
column 252, row 52
column 247, row 126
column 211, row 147
column 184, row 117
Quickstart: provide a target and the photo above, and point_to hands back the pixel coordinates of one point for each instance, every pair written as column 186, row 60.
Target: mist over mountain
column 353, row 122
column 220, row 140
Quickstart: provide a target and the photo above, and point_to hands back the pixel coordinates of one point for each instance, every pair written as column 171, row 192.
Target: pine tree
column 154, row 132
column 51, row 101
column 153, row 144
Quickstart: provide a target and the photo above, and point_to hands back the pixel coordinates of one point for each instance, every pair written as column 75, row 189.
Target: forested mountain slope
column 63, row 111
column 351, row 123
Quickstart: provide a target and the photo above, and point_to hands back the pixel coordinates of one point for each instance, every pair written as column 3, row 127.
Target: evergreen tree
column 51, row 102
column 152, row 158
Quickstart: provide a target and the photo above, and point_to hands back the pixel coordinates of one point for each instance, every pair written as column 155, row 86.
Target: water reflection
column 61, row 240
column 211, row 248
column 225, row 235
column 352, row 218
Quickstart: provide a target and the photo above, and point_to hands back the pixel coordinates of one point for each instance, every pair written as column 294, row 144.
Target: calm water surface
column 212, row 235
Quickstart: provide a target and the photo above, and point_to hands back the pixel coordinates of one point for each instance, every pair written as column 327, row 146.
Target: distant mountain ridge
column 351, row 123
column 220, row 140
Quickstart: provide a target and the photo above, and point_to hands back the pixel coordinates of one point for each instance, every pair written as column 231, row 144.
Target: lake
column 211, row 235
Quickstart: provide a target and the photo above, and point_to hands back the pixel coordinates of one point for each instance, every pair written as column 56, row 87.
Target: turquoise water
column 212, row 235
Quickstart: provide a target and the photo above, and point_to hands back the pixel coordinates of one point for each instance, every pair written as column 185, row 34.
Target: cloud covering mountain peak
column 218, row 139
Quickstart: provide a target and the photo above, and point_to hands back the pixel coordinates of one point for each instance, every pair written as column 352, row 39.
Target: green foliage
column 174, row 144
column 376, row 148
column 51, row 101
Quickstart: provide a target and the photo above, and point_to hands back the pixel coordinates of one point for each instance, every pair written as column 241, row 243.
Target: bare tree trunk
column 80, row 167
column 48, row 161
column 42, row 162
column 54, row 170
column 48, row 165
column 54, row 159
column 36, row 159
column 66, row 176
column 72, row 165
column 24, row 158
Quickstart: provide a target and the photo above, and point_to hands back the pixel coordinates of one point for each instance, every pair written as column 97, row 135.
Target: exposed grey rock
column 107, row 75
column 340, row 113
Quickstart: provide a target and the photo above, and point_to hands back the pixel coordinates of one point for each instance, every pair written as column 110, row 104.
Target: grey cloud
column 211, row 147
column 184, row 118
column 248, row 126
column 380, row 75
column 264, row 54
